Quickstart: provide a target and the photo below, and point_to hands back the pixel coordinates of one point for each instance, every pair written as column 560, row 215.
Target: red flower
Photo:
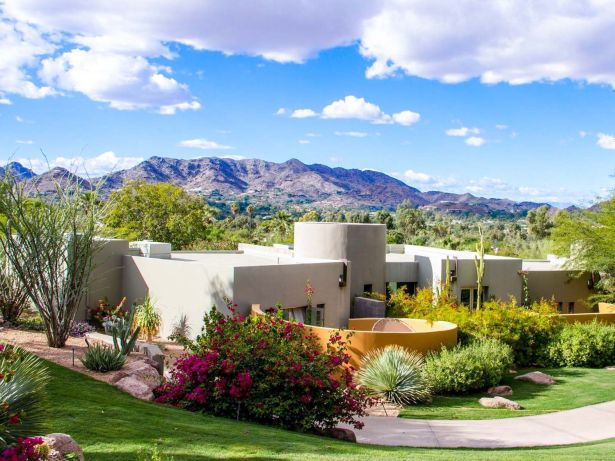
column 305, row 398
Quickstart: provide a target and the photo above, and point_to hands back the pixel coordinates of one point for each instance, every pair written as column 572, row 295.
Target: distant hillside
column 290, row 182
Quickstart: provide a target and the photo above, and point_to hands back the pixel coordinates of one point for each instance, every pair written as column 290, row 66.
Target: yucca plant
column 394, row 375
column 22, row 394
column 147, row 318
column 181, row 330
column 102, row 358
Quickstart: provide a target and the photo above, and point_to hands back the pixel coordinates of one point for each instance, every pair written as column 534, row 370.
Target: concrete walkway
column 586, row 424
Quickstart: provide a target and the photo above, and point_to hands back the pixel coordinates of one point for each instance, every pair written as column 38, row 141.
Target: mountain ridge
column 290, row 182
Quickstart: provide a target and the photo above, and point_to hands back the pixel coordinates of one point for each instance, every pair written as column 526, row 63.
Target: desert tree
column 13, row 294
column 49, row 241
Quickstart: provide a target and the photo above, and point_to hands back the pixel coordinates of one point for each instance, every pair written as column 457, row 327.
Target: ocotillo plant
column 479, row 262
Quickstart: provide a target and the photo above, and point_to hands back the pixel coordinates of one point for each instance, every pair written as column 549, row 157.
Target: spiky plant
column 394, row 375
column 22, row 394
column 124, row 338
column 181, row 330
column 147, row 317
column 102, row 358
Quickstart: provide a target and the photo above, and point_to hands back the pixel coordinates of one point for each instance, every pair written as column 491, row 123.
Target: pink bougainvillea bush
column 26, row 449
column 267, row 370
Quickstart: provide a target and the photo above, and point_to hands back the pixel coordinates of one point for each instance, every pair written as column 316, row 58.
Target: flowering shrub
column 26, row 449
column 105, row 311
column 79, row 329
column 23, row 378
column 268, row 370
column 528, row 330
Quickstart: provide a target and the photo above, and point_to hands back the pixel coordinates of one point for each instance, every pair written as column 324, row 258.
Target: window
column 316, row 315
column 571, row 307
column 367, row 288
column 409, row 286
column 469, row 296
column 560, row 307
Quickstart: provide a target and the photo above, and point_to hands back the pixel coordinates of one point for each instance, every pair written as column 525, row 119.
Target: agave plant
column 124, row 338
column 22, row 394
column 102, row 358
column 148, row 318
column 394, row 375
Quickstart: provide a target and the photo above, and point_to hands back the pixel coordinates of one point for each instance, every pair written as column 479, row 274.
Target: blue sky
column 460, row 112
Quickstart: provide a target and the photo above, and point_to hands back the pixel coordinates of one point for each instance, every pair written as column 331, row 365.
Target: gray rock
column 135, row 387
column 61, row 445
column 140, row 370
column 500, row 390
column 537, row 377
column 343, row 434
column 499, row 402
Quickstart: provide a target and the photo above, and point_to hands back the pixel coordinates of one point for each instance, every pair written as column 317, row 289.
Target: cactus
column 124, row 338
column 479, row 262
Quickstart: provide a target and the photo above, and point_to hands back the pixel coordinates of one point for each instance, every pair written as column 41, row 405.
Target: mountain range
column 290, row 182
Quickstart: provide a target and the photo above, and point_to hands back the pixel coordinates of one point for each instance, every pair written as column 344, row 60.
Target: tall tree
column 539, row 223
column 588, row 239
column 410, row 221
column 50, row 246
column 161, row 212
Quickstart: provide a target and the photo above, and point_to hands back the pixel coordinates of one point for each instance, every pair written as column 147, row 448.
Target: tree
column 588, row 239
column 410, row 220
column 384, row 217
column 539, row 223
column 50, row 247
column 13, row 293
column 234, row 208
column 310, row 216
column 161, row 212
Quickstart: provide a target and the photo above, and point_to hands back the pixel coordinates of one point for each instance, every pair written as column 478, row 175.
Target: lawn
column 575, row 387
column 111, row 425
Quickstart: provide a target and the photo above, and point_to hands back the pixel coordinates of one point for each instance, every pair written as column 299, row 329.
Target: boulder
column 537, row 377
column 61, row 445
column 141, row 370
column 611, row 368
column 135, row 387
column 343, row 434
column 500, row 390
column 499, row 402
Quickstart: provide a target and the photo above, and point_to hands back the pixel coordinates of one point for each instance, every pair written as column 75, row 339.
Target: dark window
column 571, row 307
column 466, row 296
column 367, row 288
column 316, row 315
column 410, row 287
column 560, row 306
column 469, row 296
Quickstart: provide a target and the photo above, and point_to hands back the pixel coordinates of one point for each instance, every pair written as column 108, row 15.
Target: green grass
column 575, row 387
column 111, row 425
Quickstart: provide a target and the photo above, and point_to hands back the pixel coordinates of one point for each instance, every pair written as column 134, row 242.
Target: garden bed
column 575, row 387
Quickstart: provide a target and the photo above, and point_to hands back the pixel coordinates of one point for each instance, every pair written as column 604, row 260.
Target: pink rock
column 141, row 371
column 135, row 387
column 61, row 445
column 537, row 377
column 500, row 390
column 499, row 402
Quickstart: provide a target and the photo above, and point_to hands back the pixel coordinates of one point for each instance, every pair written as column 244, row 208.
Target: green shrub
column 22, row 394
column 102, row 358
column 582, row 345
column 527, row 330
column 394, row 375
column 466, row 368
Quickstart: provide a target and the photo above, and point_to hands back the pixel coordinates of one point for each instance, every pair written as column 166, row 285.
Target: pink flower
column 305, row 398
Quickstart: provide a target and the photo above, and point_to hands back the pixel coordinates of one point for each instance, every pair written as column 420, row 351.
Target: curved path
column 586, row 424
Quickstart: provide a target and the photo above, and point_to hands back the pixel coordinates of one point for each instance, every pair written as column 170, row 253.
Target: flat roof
column 459, row 254
column 542, row 265
column 400, row 257
column 242, row 259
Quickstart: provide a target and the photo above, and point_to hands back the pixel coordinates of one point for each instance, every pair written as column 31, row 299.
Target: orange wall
column 587, row 318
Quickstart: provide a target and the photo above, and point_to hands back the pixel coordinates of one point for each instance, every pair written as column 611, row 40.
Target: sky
column 512, row 99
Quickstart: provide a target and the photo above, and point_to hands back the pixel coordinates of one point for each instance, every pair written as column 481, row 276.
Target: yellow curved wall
column 587, row 318
column 426, row 336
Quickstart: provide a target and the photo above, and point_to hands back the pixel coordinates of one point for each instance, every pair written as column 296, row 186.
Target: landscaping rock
column 500, row 391
column 61, row 445
column 537, row 377
column 611, row 368
column 499, row 402
column 343, row 434
column 142, row 370
column 135, row 387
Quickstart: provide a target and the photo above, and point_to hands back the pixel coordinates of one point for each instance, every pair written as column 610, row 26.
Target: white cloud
column 202, row 143
column 501, row 126
column 497, row 41
column 303, row 113
column 24, row 141
column 352, row 134
column 606, row 141
column 406, row 117
column 281, row 111
column 335, row 159
column 233, row 157
column 352, row 107
column 304, row 141
column 102, row 164
column 475, row 141
column 462, row 131
column 415, row 176
column 19, row 119
column 583, row 134
column 5, row 101
column 312, row 135
column 124, row 82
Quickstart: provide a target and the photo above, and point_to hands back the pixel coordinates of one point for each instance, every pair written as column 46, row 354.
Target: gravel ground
column 36, row 342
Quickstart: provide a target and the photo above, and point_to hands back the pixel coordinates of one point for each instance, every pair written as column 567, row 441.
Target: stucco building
column 341, row 261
